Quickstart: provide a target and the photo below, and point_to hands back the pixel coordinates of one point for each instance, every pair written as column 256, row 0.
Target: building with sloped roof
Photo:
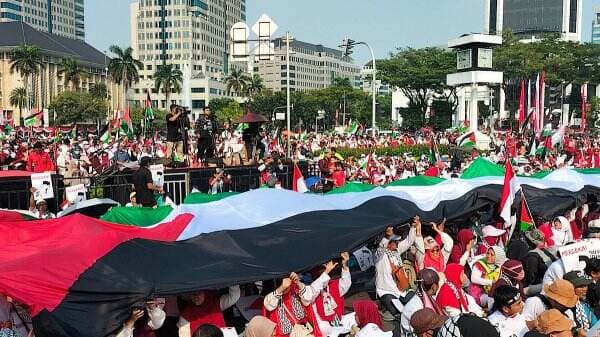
column 49, row 82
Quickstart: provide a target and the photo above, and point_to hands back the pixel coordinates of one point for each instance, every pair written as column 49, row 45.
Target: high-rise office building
column 596, row 26
column 532, row 18
column 60, row 17
column 312, row 66
column 193, row 35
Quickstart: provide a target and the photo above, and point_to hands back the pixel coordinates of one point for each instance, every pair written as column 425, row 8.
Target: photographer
column 206, row 127
column 252, row 137
column 219, row 182
column 269, row 169
column 174, row 132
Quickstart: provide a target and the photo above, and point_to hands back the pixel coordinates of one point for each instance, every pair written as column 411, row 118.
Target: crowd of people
column 205, row 142
column 429, row 279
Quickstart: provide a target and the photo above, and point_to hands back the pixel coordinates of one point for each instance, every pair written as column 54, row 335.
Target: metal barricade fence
column 14, row 192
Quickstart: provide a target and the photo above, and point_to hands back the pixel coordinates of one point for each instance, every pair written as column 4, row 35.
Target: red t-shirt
column 339, row 178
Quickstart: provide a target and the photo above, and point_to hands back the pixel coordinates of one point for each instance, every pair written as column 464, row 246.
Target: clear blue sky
column 385, row 24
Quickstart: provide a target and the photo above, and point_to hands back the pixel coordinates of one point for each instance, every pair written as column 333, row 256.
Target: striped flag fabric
column 299, row 185
column 511, row 186
column 165, row 258
column 33, row 119
column 467, row 140
column 526, row 220
column 148, row 112
column 522, row 114
column 584, row 95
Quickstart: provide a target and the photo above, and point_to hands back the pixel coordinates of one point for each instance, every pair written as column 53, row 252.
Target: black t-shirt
column 173, row 131
column 144, row 195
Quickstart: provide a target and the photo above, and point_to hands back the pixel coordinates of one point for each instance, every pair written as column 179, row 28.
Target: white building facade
column 311, row 67
column 529, row 19
column 60, row 17
column 193, row 35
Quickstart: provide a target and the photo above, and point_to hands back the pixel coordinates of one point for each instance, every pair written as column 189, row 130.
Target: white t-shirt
column 509, row 326
column 534, row 307
column 372, row 330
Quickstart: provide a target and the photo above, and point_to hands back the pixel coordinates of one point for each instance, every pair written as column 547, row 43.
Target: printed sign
column 158, row 174
column 570, row 255
column 42, row 182
column 76, row 193
column 364, row 257
column 229, row 332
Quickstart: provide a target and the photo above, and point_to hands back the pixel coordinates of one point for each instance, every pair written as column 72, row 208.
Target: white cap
column 490, row 230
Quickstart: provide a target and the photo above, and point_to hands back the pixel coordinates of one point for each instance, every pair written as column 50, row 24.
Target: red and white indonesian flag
column 511, row 186
column 298, row 184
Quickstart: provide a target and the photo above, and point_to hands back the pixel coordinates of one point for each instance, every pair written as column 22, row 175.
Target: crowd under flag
column 298, row 185
column 510, row 188
column 148, row 112
column 526, row 220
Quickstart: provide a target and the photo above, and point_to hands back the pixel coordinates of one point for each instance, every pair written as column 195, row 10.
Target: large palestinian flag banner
column 82, row 276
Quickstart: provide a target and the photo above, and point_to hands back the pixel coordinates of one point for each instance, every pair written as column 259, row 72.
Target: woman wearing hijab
column 492, row 236
column 287, row 306
column 467, row 325
column 561, row 231
column 451, row 298
column 427, row 287
column 462, row 251
column 485, row 272
column 511, row 274
column 429, row 253
column 368, row 320
column 260, row 326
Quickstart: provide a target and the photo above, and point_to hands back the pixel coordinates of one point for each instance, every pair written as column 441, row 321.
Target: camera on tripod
column 185, row 111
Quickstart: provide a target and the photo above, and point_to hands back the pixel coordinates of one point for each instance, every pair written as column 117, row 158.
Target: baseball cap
column 426, row 319
column 578, row 278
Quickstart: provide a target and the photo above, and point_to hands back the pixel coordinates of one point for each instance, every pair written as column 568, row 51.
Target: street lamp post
column 287, row 93
column 348, row 44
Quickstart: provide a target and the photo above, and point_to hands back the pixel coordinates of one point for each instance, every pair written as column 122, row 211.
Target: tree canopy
column 77, row 107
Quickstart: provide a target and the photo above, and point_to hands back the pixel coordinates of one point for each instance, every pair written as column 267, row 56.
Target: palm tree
column 237, row 81
column 169, row 78
column 256, row 85
column 27, row 61
column 18, row 98
column 123, row 68
column 72, row 72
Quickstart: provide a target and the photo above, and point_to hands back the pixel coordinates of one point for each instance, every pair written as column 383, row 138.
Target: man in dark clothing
column 144, row 185
column 205, row 127
column 174, row 135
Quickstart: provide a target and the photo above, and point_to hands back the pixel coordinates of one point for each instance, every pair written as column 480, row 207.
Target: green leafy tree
column 231, row 112
column 237, row 81
column 420, row 74
column 255, row 85
column 169, row 78
column 27, row 61
column 219, row 104
column 72, row 73
column 18, row 98
column 123, row 68
column 159, row 122
column 341, row 82
column 76, row 107
column 99, row 91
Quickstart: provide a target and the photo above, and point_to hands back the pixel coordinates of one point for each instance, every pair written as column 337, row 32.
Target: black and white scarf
column 581, row 317
column 297, row 312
